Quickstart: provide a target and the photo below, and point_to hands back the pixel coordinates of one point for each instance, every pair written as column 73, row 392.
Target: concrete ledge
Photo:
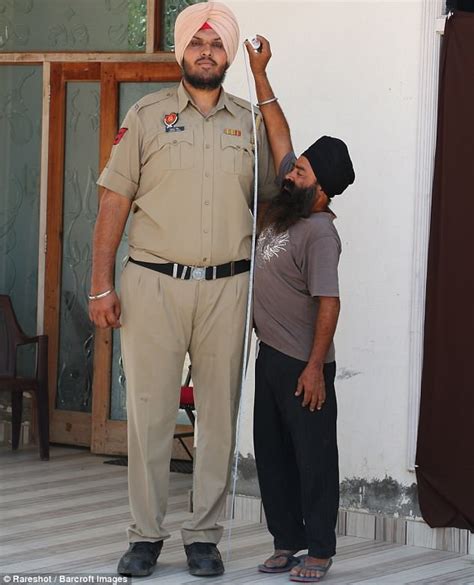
column 413, row 532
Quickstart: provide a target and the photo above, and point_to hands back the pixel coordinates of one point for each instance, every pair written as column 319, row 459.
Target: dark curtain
column 445, row 456
column 465, row 5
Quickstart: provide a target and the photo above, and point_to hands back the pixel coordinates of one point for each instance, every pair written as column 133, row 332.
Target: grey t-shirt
column 292, row 270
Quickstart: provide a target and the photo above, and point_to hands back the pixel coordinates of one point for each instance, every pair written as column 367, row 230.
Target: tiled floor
column 68, row 515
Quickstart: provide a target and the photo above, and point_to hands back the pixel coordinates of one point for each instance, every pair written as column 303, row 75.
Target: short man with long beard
column 183, row 163
column 296, row 308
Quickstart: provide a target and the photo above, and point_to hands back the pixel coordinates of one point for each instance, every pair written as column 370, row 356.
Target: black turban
column 331, row 163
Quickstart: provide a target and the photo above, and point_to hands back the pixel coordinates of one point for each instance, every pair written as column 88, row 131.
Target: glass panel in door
column 169, row 11
column 72, row 25
column 75, row 363
column 21, row 90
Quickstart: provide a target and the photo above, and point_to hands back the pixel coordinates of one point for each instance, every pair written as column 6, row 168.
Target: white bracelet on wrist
column 101, row 295
column 270, row 101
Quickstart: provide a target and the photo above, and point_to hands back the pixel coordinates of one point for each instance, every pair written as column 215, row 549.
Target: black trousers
column 296, row 455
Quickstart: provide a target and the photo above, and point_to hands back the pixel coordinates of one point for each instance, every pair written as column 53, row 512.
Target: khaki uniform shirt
column 191, row 184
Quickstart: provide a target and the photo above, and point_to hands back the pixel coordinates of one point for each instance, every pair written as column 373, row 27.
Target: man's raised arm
column 278, row 131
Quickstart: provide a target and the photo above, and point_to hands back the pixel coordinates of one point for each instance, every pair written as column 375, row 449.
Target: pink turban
column 219, row 17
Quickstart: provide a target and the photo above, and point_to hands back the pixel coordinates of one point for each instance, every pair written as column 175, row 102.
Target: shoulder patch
column 155, row 97
column 120, row 135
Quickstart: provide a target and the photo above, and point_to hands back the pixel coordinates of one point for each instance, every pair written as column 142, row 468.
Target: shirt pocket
column 236, row 155
column 176, row 149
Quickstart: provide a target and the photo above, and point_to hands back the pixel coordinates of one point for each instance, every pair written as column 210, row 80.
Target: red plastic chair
column 186, row 403
column 11, row 336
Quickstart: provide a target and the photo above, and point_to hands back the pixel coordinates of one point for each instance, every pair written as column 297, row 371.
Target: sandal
column 291, row 562
column 323, row 569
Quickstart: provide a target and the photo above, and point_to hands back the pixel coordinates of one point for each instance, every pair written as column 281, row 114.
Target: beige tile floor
column 68, row 515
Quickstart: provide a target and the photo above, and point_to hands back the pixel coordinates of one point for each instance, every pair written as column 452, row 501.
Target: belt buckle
column 198, row 273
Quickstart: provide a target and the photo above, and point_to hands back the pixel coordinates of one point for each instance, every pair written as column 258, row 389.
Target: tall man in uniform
column 296, row 308
column 183, row 164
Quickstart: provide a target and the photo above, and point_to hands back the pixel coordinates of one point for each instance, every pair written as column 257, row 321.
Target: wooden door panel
column 67, row 426
column 96, row 428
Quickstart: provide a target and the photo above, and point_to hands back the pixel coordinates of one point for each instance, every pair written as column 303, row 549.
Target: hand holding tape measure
column 259, row 53
column 256, row 44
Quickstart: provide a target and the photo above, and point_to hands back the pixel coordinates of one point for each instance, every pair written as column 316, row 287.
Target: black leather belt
column 197, row 272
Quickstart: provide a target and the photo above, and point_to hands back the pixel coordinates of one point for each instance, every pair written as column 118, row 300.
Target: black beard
column 289, row 206
column 198, row 82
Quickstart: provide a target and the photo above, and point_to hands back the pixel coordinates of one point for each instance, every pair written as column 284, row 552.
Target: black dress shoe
column 204, row 560
column 140, row 559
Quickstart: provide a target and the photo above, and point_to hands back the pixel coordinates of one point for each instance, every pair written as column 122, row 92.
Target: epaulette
column 247, row 106
column 154, row 98
column 240, row 102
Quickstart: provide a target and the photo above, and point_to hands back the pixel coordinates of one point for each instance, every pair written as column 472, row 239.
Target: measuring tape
column 249, row 307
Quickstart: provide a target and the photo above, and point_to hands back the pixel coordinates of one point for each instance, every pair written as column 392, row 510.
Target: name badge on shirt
column 175, row 129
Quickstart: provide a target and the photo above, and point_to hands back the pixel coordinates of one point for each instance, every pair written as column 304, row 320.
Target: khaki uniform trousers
column 162, row 319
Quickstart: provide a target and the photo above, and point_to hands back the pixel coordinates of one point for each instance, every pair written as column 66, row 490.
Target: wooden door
column 86, row 105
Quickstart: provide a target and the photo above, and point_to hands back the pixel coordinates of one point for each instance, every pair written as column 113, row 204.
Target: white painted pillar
column 427, row 119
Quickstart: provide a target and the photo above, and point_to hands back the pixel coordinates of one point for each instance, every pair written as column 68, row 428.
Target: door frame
column 66, row 426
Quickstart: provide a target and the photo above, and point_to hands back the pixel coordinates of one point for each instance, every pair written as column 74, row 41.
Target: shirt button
column 208, row 146
column 206, row 174
column 204, row 259
column 206, row 231
column 206, row 202
column 175, row 141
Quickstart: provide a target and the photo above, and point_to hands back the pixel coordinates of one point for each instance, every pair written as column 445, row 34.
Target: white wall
column 351, row 70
